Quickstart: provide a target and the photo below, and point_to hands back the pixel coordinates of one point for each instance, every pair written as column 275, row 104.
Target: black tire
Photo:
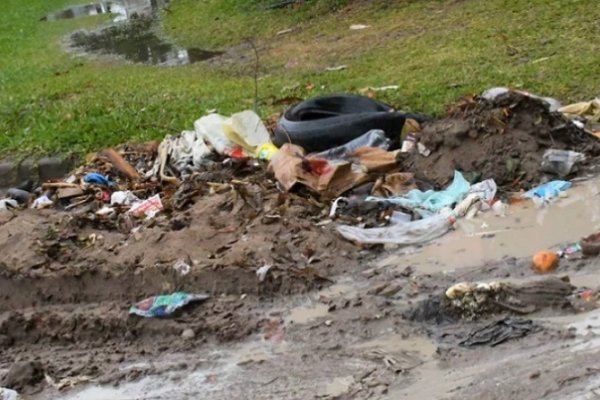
column 325, row 122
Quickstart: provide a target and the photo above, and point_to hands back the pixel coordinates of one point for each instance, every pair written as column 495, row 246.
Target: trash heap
column 503, row 137
column 395, row 177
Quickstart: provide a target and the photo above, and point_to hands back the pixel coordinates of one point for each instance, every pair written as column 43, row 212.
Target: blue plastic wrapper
column 98, row 179
column 164, row 305
column 548, row 190
column 426, row 203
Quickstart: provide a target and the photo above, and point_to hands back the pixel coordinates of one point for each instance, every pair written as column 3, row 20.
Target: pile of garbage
column 392, row 177
column 503, row 135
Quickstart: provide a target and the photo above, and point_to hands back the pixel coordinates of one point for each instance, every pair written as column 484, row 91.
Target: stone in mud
column 188, row 334
column 23, row 374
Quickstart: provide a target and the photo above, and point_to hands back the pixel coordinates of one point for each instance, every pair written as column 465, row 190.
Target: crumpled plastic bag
column 561, row 162
column 42, row 202
column 247, row 130
column 431, row 201
column 98, row 179
column 493, row 93
column 165, row 305
column 373, row 138
column 486, row 190
column 407, row 233
column 124, row 198
column 188, row 149
column 7, row 204
column 8, row 394
column 548, row 190
column 590, row 110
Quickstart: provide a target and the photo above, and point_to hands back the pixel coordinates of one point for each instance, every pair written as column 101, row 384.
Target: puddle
column 336, row 388
column 523, row 232
column 135, row 41
column 132, row 36
column 344, row 291
column 397, row 343
column 304, row 315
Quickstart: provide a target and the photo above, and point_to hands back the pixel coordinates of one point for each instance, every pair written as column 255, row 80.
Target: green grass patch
column 53, row 101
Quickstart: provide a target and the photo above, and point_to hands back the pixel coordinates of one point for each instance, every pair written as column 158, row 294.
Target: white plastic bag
column 7, row 204
column 408, row 233
column 123, row 198
column 247, row 130
column 8, row 394
column 211, row 127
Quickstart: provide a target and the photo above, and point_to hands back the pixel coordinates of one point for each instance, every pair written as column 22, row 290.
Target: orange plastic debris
column 545, row 261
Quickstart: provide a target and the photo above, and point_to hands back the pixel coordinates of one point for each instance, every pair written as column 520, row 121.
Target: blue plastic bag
column 548, row 190
column 98, row 179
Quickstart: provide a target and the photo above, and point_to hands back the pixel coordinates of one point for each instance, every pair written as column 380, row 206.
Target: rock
column 27, row 170
column 391, row 290
column 7, row 173
column 23, row 374
column 188, row 334
column 53, row 168
column 21, row 196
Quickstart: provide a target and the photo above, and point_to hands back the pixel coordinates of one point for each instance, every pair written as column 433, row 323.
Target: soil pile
column 503, row 140
column 68, row 277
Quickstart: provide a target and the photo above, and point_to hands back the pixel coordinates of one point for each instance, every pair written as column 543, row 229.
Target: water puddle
column 132, row 36
column 304, row 315
column 524, row 231
column 393, row 343
column 346, row 291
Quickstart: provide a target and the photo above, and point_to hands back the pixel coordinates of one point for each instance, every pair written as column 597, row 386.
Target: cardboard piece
column 395, row 184
column 291, row 167
column 374, row 159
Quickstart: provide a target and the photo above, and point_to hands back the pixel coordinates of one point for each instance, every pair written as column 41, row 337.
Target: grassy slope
column 435, row 50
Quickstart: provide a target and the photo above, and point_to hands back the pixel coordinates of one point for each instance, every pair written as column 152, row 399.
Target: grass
column 52, row 101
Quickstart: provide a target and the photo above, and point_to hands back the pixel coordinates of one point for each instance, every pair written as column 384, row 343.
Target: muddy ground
column 331, row 320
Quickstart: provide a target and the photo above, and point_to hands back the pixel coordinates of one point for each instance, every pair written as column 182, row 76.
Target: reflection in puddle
column 133, row 40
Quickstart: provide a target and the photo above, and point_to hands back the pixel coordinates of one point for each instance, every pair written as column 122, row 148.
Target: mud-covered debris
column 23, row 374
column 503, row 139
column 500, row 331
column 471, row 300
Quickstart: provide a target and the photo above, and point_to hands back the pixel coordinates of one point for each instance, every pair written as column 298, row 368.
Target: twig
column 256, row 67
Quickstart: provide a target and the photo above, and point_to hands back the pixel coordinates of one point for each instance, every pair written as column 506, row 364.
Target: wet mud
column 295, row 311
column 346, row 330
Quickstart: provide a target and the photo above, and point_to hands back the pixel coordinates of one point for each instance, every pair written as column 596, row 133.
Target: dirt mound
column 503, row 140
column 68, row 277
